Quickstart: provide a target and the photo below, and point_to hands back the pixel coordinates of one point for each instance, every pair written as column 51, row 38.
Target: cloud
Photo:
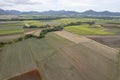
column 74, row 3
column 87, row 3
column 77, row 5
column 82, row 5
column 18, row 2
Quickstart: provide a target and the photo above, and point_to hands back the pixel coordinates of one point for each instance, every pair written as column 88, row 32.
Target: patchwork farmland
column 56, row 58
column 68, row 54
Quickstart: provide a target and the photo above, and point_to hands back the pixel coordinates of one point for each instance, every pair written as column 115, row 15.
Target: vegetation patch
column 33, row 23
column 86, row 29
column 11, row 31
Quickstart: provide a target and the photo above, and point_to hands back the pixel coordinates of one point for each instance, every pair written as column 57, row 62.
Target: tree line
column 46, row 29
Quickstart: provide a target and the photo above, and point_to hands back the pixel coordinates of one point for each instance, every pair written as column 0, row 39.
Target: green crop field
column 13, row 31
column 33, row 23
column 15, row 59
column 67, row 20
column 86, row 29
column 11, row 27
column 60, row 55
column 58, row 58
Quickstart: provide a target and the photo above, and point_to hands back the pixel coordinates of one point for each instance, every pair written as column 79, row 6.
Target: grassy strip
column 86, row 29
column 33, row 23
column 14, row 31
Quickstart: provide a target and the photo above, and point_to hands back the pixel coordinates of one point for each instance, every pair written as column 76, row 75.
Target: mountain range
column 60, row 13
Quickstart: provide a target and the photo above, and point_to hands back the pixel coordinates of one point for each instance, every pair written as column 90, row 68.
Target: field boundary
column 83, row 40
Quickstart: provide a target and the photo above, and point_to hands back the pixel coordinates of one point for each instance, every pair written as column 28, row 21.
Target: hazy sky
column 74, row 5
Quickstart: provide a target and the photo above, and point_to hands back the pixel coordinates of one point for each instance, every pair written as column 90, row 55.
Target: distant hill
column 3, row 12
column 9, row 12
column 60, row 13
column 103, row 13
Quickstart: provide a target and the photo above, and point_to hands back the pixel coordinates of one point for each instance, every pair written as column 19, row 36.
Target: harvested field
column 71, row 37
column 59, row 58
column 15, row 59
column 94, row 60
column 112, row 41
column 50, row 61
column 112, row 27
column 92, row 65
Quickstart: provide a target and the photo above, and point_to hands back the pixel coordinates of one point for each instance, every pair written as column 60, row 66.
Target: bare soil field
column 112, row 41
column 31, row 75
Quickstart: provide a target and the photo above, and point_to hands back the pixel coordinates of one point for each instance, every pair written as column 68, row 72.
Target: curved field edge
column 15, row 59
column 60, row 59
column 85, row 60
column 87, row 30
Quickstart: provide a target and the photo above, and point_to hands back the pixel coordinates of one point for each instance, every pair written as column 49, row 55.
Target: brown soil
column 31, row 75
column 112, row 41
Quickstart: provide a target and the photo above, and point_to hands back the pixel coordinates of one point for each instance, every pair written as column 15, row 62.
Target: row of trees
column 42, row 35
column 46, row 28
column 45, row 31
column 60, row 27
column 63, row 25
column 34, row 26
column 36, row 18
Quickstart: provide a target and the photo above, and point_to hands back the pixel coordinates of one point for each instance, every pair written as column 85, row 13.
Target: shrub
column 18, row 39
column 28, row 36
column 2, row 44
